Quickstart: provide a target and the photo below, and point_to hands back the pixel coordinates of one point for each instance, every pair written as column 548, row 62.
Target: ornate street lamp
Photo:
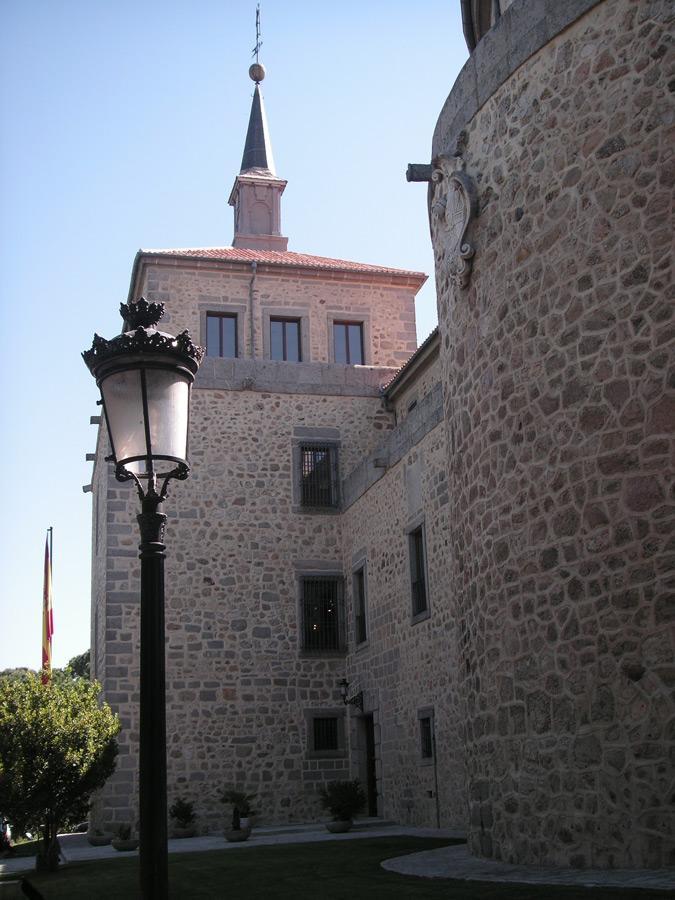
column 145, row 377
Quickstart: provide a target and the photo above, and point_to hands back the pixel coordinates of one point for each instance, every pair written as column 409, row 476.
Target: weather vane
column 257, row 70
column 258, row 42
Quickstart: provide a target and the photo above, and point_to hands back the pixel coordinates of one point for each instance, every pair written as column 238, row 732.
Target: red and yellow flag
column 47, row 616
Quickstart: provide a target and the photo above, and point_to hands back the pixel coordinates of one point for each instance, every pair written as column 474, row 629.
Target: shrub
column 343, row 799
column 183, row 812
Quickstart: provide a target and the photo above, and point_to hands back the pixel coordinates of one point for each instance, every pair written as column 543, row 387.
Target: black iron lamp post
column 355, row 700
column 145, row 377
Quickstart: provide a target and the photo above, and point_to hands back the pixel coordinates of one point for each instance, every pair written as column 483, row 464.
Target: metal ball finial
column 256, row 72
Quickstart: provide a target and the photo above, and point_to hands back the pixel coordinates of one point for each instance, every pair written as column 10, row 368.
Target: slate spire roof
column 258, row 147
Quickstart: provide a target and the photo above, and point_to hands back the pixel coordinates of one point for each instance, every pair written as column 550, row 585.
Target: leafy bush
column 57, row 746
column 123, row 832
column 183, row 812
column 241, row 806
column 343, row 799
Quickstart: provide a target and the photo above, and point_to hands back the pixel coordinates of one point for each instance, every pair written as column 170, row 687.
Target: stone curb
column 456, row 862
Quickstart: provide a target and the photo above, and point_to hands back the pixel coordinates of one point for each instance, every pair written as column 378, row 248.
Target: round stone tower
column 550, row 207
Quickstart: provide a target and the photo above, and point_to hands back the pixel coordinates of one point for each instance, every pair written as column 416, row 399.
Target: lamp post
column 145, row 377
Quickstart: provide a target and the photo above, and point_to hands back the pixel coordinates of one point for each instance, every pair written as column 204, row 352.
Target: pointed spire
column 258, row 148
column 256, row 195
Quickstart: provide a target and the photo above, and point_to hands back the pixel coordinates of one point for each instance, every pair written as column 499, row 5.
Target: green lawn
column 346, row 870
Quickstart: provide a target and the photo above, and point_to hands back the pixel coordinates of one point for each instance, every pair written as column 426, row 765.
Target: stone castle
column 474, row 534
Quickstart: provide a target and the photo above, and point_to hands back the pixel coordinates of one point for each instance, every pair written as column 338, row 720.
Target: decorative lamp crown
column 145, row 377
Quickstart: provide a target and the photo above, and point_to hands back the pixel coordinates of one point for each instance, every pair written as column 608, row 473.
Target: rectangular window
column 348, row 343
column 325, row 733
column 318, row 475
column 285, row 340
column 426, row 737
column 418, row 571
column 359, row 589
column 322, row 628
column 221, row 335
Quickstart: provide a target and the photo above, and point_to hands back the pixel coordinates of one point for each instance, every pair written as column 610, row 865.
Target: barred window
column 359, row 590
column 322, row 627
column 221, row 335
column 418, row 571
column 426, row 737
column 325, row 733
column 318, row 475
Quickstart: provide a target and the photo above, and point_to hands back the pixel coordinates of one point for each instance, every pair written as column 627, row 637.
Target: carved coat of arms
column 454, row 204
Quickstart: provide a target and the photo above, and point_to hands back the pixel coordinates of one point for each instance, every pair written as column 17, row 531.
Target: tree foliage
column 79, row 665
column 57, row 746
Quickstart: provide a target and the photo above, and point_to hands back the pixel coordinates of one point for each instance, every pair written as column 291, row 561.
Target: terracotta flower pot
column 337, row 826
column 234, row 836
column 125, row 846
column 99, row 840
column 184, row 832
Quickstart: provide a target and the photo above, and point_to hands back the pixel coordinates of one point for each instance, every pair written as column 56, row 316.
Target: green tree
column 79, row 665
column 57, row 746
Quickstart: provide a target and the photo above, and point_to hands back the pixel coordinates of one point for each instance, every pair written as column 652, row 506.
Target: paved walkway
column 446, row 862
column 455, row 862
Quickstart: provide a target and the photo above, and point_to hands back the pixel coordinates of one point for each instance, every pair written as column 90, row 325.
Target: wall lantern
column 356, row 700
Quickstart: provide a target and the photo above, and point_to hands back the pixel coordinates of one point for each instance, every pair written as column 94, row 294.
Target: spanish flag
column 47, row 614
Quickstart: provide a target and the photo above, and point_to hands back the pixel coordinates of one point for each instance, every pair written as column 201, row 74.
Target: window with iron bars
column 426, row 737
column 322, row 619
column 418, row 571
column 359, row 593
column 318, row 475
column 325, row 733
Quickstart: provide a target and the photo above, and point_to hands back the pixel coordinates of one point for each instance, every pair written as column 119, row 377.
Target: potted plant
column 99, row 838
column 241, row 813
column 123, row 840
column 343, row 800
column 183, row 814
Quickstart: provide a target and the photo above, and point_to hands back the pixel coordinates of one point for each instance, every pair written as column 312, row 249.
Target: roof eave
column 417, row 279
column 421, row 358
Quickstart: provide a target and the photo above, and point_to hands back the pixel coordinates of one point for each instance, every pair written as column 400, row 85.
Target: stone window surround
column 305, row 437
column 413, row 524
column 360, row 317
column 337, row 712
column 317, row 568
column 286, row 312
column 360, row 561
column 225, row 309
column 426, row 712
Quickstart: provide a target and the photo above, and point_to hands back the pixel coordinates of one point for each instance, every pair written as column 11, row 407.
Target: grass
column 24, row 848
column 345, row 870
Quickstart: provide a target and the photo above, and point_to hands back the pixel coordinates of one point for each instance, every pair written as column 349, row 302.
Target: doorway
column 367, row 727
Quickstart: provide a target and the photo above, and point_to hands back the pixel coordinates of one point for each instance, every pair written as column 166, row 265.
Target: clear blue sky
column 122, row 126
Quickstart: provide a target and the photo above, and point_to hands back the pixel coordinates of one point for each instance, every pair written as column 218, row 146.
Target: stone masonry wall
column 240, row 693
column 408, row 666
column 557, row 369
column 386, row 306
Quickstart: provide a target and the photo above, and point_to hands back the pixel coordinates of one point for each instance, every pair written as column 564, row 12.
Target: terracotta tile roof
column 282, row 258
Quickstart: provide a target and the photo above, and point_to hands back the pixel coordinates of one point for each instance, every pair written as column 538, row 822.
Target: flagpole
column 47, row 621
